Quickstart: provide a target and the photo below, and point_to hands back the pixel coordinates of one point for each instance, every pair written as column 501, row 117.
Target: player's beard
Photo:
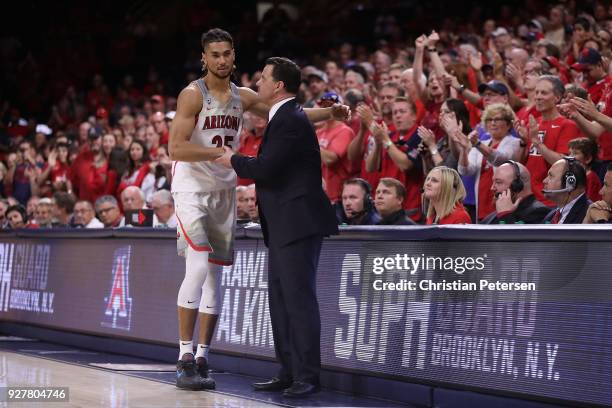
column 216, row 74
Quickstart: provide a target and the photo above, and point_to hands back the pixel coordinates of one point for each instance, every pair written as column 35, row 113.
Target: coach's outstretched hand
column 226, row 159
column 340, row 112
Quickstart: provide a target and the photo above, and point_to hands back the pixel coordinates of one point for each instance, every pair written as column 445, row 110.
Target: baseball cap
column 44, row 129
column 318, row 74
column 354, row 96
column 101, row 113
column 331, row 96
column 588, row 56
column 126, row 120
column 157, row 98
column 494, row 85
column 94, row 132
column 552, row 62
column 535, row 23
column 499, row 31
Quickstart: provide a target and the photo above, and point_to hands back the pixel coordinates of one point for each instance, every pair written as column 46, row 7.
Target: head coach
column 295, row 215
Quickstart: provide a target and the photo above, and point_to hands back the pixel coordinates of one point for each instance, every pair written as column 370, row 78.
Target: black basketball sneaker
column 187, row 376
column 208, row 383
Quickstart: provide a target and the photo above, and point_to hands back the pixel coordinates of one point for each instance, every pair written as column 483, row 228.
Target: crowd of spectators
column 509, row 122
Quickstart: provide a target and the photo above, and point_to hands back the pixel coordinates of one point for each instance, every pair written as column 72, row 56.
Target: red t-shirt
column 59, row 173
column 408, row 143
column 88, row 180
column 556, row 135
column 605, row 139
column 420, row 110
column 431, row 119
column 458, row 216
column 486, row 204
column 336, row 139
column 523, row 114
column 249, row 146
column 475, row 113
column 133, row 179
column 596, row 89
column 593, row 186
column 368, row 145
column 164, row 138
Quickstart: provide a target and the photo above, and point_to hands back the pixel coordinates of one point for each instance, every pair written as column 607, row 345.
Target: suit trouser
column 294, row 310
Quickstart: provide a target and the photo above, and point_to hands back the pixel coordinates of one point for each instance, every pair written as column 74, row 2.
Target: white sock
column 202, row 351
column 185, row 347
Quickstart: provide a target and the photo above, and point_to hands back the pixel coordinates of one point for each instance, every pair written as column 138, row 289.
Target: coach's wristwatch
column 387, row 144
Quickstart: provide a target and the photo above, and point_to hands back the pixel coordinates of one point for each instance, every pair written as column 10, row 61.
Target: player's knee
column 189, row 296
column 210, row 294
column 188, row 302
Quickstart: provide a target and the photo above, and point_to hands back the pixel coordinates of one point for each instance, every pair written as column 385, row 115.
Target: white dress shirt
column 277, row 106
column 565, row 210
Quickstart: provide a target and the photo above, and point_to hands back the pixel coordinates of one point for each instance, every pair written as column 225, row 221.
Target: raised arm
column 355, row 148
column 417, row 67
column 188, row 106
column 252, row 103
column 433, row 54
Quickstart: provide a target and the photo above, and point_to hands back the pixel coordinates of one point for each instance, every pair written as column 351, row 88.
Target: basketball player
column 204, row 194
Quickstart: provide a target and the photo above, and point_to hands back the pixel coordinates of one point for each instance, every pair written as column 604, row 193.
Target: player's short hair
column 216, row 35
column 283, row 69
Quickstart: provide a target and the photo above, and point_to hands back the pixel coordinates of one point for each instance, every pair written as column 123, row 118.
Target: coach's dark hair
column 216, row 35
column 283, row 69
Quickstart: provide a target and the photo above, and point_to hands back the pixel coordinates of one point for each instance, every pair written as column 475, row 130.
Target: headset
column 367, row 199
column 569, row 179
column 517, row 184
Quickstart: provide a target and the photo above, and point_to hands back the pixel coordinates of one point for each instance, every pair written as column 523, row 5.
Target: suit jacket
column 576, row 214
column 287, row 173
column 529, row 211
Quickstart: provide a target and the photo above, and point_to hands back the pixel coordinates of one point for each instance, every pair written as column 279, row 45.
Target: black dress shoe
column 300, row 389
column 275, row 384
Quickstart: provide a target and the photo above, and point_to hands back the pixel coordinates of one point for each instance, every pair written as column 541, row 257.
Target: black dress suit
column 576, row 214
column 295, row 215
column 529, row 211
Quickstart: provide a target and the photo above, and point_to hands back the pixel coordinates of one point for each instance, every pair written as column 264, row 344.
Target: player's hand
column 340, row 112
column 226, row 159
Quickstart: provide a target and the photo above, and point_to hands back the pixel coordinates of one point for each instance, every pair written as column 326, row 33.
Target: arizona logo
column 118, row 310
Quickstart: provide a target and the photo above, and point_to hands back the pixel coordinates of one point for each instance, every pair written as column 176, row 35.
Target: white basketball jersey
column 217, row 126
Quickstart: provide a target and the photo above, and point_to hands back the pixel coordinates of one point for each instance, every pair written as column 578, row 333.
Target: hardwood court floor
column 92, row 387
